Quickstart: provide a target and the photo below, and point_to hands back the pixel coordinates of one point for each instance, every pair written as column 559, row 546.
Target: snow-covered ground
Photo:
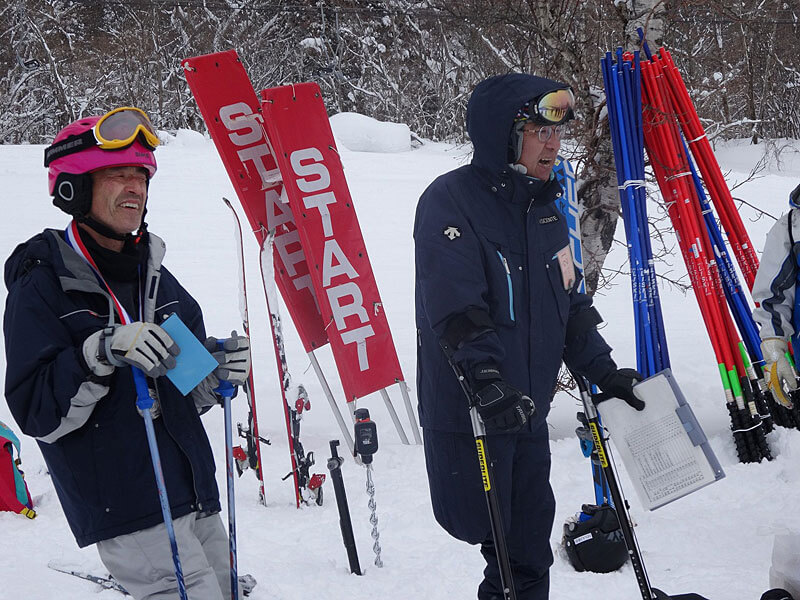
column 716, row 542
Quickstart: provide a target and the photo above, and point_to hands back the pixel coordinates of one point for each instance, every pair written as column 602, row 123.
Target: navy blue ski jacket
column 88, row 428
column 486, row 240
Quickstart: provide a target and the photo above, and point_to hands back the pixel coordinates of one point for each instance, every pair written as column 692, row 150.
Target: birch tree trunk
column 597, row 189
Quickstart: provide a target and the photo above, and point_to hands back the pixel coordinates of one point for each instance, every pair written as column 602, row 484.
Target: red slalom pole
column 662, row 149
column 709, row 169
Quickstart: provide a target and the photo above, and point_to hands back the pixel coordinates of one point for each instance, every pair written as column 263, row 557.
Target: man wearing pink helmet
column 84, row 304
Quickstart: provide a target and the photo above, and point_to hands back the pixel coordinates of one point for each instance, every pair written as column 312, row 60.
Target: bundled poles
column 648, row 109
column 624, row 104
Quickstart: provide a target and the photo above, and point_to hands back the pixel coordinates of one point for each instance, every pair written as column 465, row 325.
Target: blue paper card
column 194, row 362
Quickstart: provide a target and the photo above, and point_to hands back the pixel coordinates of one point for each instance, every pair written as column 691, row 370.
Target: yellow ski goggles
column 120, row 127
column 115, row 130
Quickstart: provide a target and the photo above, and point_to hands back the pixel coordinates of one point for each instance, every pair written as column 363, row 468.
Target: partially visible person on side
column 84, row 306
column 776, row 313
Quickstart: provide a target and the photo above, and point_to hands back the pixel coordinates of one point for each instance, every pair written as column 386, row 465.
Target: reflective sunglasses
column 116, row 129
column 551, row 108
column 556, row 107
column 545, row 132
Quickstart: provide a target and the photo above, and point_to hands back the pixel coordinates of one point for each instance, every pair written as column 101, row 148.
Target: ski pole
column 492, row 501
column 619, row 502
column 226, row 389
column 345, row 524
column 144, row 402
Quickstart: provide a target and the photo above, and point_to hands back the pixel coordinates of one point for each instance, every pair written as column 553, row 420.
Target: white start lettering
column 245, row 132
column 350, row 317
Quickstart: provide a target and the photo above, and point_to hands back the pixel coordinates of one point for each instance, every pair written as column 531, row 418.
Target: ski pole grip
column 143, row 399
column 225, row 388
column 334, row 444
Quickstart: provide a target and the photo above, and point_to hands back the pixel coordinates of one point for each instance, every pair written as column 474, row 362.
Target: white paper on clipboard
column 663, row 448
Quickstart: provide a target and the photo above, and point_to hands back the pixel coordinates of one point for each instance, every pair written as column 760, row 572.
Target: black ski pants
column 522, row 479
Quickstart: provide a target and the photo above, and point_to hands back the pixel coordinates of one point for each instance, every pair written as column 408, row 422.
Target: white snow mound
column 181, row 137
column 360, row 133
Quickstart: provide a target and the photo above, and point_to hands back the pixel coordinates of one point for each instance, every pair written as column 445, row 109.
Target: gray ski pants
column 142, row 561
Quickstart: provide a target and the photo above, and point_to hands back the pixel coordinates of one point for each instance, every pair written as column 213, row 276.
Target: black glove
column 501, row 406
column 619, row 384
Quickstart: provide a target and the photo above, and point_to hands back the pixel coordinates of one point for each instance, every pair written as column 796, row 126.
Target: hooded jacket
column 487, row 240
column 777, row 310
column 88, row 428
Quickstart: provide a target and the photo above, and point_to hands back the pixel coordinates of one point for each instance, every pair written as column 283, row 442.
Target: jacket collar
column 76, row 275
column 511, row 186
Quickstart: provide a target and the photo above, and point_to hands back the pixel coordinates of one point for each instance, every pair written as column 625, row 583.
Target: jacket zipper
column 510, row 285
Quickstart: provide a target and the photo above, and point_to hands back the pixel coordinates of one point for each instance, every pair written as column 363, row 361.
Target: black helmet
column 594, row 541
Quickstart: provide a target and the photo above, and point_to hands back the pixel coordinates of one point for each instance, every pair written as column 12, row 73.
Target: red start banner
column 232, row 114
column 297, row 125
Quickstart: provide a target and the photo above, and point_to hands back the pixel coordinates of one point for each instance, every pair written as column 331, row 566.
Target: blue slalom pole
column 624, row 152
column 623, row 133
column 611, row 106
column 145, row 402
column 625, row 100
column 634, row 98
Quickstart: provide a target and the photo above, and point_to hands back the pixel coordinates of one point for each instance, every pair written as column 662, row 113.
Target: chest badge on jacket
column 567, row 267
column 452, row 233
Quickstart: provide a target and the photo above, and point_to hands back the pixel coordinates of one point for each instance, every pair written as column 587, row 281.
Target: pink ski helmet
column 80, row 148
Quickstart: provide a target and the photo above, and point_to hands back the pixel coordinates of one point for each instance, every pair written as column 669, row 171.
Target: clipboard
column 665, row 451
column 194, row 362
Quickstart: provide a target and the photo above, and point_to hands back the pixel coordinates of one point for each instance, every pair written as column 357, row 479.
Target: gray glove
column 233, row 358
column 142, row 345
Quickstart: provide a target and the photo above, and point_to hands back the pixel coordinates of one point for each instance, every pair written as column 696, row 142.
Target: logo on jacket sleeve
column 452, row 233
column 550, row 219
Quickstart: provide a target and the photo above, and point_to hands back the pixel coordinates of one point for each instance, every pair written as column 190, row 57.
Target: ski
column 106, row 582
column 246, row 582
column 567, row 205
column 252, row 456
column 307, row 486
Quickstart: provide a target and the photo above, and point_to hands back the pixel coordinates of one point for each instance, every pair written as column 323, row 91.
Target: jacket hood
column 40, row 247
column 491, row 110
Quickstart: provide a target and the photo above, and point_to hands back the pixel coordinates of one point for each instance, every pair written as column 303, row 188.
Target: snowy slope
column 716, row 542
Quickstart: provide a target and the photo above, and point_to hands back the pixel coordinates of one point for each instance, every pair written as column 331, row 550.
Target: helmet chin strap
column 106, row 231
column 103, row 230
